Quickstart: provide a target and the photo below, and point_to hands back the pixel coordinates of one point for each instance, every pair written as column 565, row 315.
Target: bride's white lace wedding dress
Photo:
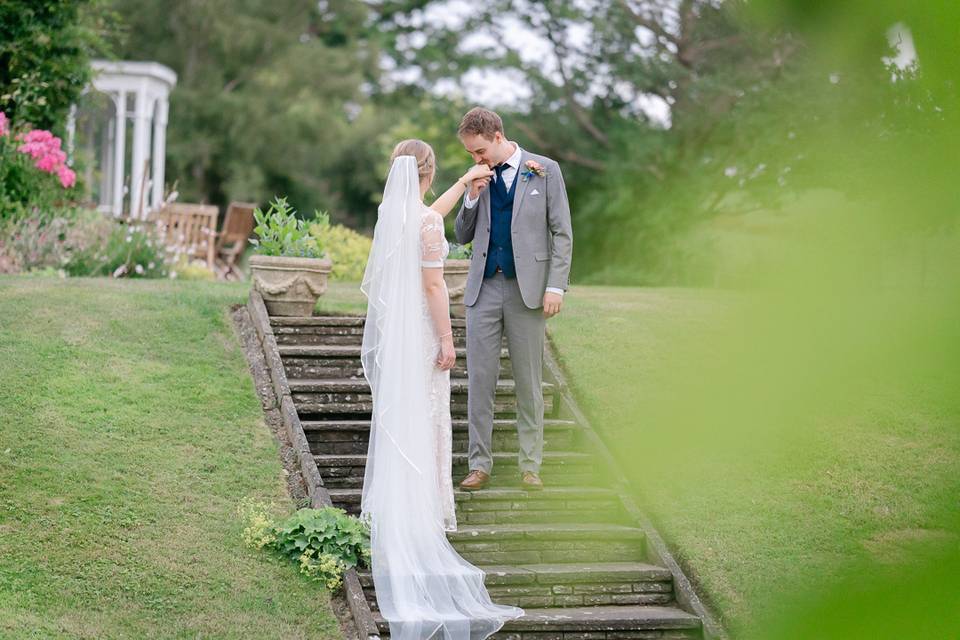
column 425, row 590
column 433, row 250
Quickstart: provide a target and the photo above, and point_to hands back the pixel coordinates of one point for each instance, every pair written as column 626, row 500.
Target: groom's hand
column 551, row 304
column 477, row 186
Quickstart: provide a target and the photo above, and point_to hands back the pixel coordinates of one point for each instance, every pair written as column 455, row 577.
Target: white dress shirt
column 509, row 174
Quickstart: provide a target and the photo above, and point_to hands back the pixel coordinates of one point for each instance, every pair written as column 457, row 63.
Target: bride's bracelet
column 448, row 333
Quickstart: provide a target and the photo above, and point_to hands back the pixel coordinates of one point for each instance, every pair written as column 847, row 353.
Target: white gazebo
column 139, row 92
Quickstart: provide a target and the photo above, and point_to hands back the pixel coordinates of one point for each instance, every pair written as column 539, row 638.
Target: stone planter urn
column 289, row 286
column 455, row 275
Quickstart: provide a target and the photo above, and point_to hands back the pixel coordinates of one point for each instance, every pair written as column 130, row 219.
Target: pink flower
column 44, row 148
column 67, row 176
column 4, row 124
column 52, row 161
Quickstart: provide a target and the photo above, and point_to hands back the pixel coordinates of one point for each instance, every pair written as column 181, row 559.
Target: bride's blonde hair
column 426, row 160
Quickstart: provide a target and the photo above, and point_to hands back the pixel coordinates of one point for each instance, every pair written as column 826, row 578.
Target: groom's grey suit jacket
column 541, row 233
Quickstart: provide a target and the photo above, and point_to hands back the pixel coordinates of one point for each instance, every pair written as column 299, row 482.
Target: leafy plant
column 281, row 233
column 324, row 542
column 460, row 251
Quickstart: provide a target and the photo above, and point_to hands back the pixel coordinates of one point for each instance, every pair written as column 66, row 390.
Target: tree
column 269, row 97
column 45, row 52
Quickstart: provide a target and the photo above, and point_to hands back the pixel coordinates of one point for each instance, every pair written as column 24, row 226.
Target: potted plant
column 455, row 269
column 290, row 267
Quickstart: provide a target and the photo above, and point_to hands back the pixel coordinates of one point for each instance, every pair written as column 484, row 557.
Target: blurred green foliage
column 347, row 249
column 45, row 52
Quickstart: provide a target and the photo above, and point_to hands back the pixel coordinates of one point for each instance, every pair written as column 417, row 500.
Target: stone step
column 509, row 506
column 569, row 584
column 333, row 330
column 636, row 622
column 343, row 361
column 346, row 396
column 560, row 468
column 337, row 321
column 512, row 544
column 352, row 436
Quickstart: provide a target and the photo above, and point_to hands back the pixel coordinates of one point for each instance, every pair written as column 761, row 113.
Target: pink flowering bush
column 34, row 175
column 44, row 148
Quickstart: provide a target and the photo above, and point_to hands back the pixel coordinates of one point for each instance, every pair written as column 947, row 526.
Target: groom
column 519, row 223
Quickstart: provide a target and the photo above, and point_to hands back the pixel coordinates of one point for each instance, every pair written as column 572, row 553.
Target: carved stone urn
column 289, row 286
column 455, row 275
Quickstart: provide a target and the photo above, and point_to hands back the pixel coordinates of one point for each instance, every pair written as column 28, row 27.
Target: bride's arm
column 449, row 198
column 438, row 305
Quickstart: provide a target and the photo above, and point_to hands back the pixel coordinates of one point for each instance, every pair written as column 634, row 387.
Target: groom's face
column 484, row 150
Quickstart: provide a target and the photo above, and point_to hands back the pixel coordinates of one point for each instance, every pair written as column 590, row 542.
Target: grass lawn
column 766, row 515
column 129, row 430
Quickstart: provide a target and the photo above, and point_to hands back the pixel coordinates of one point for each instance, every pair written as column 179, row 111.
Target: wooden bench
column 189, row 228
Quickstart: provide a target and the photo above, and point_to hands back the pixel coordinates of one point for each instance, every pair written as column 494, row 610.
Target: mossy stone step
column 359, row 385
column 594, row 623
column 343, row 361
column 352, row 436
column 564, row 468
column 344, row 351
column 510, row 505
column 511, row 544
column 345, row 396
column 569, row 584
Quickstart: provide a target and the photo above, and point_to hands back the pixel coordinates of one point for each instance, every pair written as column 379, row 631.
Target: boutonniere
column 533, row 168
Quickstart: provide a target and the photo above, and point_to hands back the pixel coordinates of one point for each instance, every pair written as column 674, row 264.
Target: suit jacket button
column 484, row 254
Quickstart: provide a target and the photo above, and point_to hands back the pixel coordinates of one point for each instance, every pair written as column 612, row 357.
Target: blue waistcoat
column 500, row 251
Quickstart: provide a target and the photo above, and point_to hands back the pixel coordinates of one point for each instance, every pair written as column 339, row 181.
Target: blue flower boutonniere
column 532, row 168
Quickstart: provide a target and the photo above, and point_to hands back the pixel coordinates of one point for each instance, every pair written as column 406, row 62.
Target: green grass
column 766, row 515
column 129, row 431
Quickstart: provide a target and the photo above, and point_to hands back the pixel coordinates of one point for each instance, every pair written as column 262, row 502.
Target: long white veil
column 424, row 588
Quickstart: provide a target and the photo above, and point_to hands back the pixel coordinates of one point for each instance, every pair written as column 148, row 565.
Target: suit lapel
column 521, row 184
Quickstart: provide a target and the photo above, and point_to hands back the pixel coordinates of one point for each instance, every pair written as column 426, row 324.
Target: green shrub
column 133, row 251
column 81, row 242
column 45, row 52
column 460, row 251
column 346, row 248
column 324, row 542
column 281, row 233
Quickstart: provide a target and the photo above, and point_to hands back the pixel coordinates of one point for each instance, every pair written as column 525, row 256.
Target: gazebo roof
column 129, row 74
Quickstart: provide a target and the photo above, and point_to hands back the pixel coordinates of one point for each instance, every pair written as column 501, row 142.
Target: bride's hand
column 477, row 179
column 476, row 172
column 448, row 355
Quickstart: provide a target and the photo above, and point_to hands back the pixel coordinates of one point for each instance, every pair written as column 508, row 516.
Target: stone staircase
column 578, row 556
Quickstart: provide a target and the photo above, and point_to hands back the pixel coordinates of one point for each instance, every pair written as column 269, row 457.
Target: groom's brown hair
column 480, row 122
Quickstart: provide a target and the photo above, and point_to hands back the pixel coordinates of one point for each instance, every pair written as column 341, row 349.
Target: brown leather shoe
column 475, row 480
column 531, row 481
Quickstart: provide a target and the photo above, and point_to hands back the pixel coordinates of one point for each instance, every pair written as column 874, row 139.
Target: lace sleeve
column 432, row 241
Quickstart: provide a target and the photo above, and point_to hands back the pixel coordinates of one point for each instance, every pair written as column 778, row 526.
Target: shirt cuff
column 559, row 292
column 468, row 202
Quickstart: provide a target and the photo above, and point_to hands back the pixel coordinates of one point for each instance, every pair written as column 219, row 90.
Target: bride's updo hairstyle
column 426, row 160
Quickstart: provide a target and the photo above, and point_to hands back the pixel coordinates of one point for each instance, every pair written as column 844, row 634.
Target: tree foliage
column 45, row 52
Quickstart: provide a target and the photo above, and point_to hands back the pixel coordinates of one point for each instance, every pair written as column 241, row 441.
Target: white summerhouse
column 125, row 136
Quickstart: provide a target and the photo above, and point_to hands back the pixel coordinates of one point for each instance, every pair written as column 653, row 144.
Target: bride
column 425, row 590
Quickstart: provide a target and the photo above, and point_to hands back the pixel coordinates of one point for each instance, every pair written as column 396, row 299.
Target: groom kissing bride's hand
column 518, row 220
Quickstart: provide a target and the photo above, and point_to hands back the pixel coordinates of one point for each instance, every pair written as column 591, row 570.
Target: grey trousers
column 499, row 309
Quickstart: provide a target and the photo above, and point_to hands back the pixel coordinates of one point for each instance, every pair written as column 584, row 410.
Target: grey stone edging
column 319, row 496
column 658, row 551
